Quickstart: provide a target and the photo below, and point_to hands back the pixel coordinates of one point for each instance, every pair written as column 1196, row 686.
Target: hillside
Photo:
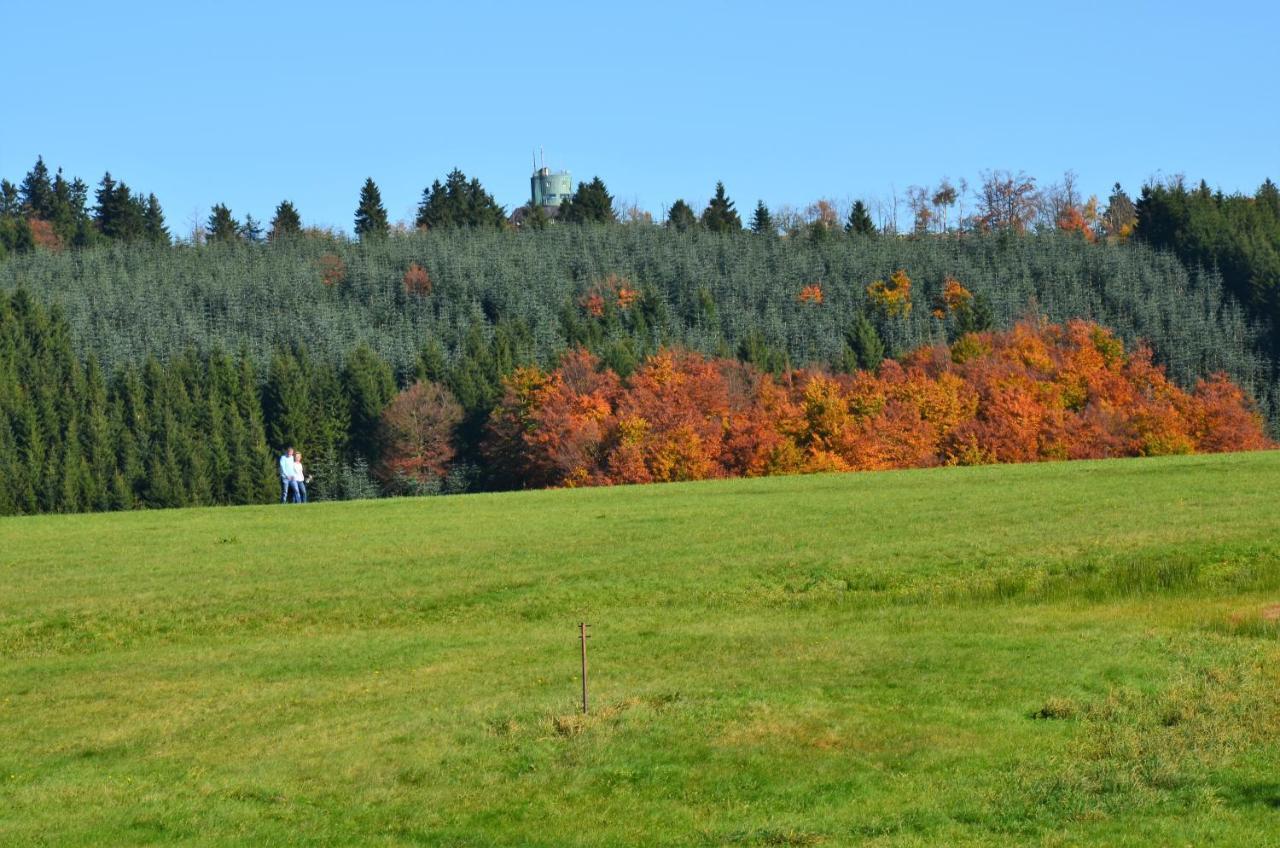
column 1068, row 653
column 738, row 294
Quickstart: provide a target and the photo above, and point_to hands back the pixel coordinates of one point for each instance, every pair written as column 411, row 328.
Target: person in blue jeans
column 288, row 477
column 299, row 478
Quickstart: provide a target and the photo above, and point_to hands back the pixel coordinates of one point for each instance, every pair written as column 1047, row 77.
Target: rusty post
column 583, row 637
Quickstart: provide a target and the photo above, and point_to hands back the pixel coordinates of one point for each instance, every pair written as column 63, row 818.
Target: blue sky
column 248, row 104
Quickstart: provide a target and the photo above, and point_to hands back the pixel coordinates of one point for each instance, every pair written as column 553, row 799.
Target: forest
column 170, row 370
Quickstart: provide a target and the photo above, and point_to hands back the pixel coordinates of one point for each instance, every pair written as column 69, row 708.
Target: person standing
column 287, row 473
column 299, row 478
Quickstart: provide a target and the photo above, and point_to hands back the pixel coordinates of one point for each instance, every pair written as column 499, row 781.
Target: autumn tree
column 1120, row 217
column 417, row 435
column 1006, row 201
column 943, row 199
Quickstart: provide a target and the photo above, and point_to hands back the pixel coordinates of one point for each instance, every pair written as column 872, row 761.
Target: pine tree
column 864, row 344
column 97, row 438
column 119, row 215
column 762, row 222
column 720, row 216
column 458, row 203
column 153, row 222
column 590, row 204
column 251, row 230
column 680, row 217
column 369, row 386
column 36, row 191
column 371, row 217
column 223, row 227
column 859, row 222
column 255, row 472
column 286, row 223
column 535, row 217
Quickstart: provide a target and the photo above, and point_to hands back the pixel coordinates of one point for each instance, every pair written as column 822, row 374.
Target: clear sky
column 250, row 103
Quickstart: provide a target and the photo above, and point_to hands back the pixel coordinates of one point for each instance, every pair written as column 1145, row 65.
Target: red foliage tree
column 417, row 433
column 416, row 280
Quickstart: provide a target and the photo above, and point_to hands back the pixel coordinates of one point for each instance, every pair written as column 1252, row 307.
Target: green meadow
column 1061, row 654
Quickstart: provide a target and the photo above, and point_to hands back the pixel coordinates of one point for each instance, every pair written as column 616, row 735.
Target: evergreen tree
column 36, row 191
column 10, row 203
column 223, row 227
column 864, row 349
column 535, row 217
column 762, row 221
column 458, row 203
column 119, row 215
column 680, row 217
column 371, row 217
column 859, row 222
column 286, row 222
column 369, row 386
column 97, row 439
column 720, row 216
column 153, row 222
column 590, row 204
column 251, row 230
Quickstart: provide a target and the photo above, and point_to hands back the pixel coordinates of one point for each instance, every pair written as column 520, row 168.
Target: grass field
column 1061, row 654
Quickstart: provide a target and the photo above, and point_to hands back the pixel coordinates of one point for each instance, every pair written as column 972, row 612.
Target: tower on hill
column 547, row 188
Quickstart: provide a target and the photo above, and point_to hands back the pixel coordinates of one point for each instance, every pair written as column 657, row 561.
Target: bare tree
column 1006, row 201
column 1058, row 202
column 921, row 214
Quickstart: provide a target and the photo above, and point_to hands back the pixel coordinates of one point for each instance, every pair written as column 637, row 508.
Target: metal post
column 583, row 637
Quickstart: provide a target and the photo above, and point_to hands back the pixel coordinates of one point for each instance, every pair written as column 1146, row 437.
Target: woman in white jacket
column 299, row 478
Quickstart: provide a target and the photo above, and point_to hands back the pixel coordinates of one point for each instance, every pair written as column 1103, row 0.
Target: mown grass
column 1064, row 654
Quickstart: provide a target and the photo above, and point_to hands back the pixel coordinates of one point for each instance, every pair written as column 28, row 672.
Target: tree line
column 1236, row 235
column 204, row 428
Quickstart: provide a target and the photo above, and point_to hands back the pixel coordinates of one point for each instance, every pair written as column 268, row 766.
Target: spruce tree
column 36, row 191
column 153, row 222
column 371, row 217
column 720, row 216
column 590, row 204
column 680, row 217
column 286, row 223
column 864, row 344
column 859, row 222
column 458, row 203
column 369, row 386
column 762, row 222
column 223, row 227
column 97, row 438
column 251, row 230
column 535, row 217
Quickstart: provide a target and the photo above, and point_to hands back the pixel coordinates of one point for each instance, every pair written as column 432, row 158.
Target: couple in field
column 293, row 478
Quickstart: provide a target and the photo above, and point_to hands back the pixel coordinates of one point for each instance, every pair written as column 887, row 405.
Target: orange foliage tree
column 894, row 297
column 416, row 280
column 1037, row 392
column 333, row 270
